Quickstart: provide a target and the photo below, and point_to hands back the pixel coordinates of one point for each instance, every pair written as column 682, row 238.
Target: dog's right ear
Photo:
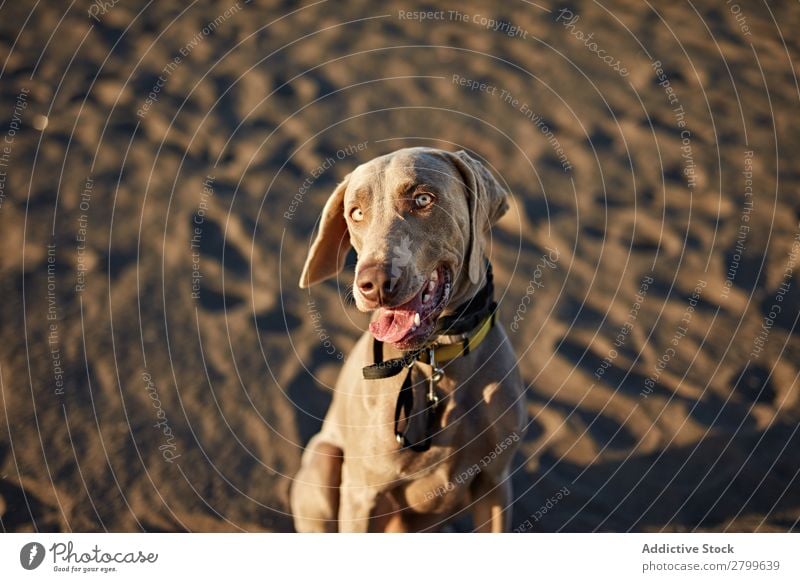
column 329, row 250
column 487, row 200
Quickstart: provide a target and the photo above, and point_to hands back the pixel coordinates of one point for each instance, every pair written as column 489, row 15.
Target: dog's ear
column 329, row 250
column 487, row 201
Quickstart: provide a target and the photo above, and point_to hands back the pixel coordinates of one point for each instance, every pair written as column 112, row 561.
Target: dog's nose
column 375, row 284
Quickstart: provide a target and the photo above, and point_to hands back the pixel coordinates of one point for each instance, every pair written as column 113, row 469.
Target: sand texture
column 164, row 167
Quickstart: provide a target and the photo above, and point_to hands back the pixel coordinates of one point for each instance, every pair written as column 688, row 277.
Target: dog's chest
column 431, row 480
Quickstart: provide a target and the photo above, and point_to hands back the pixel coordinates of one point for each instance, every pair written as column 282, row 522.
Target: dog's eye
column 357, row 214
column 423, row 200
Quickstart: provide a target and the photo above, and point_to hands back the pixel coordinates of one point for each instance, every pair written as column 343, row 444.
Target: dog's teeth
column 426, row 297
column 416, row 319
column 431, row 285
column 434, row 277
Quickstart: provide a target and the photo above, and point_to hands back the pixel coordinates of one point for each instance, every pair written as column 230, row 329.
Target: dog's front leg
column 355, row 508
column 357, row 498
column 491, row 504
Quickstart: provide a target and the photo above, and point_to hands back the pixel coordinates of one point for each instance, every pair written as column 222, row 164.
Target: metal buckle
column 437, row 374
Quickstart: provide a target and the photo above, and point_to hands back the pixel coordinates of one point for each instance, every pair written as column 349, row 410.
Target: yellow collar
column 447, row 352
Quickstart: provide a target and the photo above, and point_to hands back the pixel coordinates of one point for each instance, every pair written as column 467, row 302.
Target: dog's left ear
column 487, row 201
column 329, row 250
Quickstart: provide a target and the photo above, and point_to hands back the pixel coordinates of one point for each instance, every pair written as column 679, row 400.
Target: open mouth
column 406, row 325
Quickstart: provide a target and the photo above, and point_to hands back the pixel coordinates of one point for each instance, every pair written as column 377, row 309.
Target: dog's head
column 419, row 220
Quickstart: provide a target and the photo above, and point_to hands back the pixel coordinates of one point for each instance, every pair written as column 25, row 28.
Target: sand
column 163, row 170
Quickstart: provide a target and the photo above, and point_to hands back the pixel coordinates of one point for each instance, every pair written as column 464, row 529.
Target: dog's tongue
column 392, row 325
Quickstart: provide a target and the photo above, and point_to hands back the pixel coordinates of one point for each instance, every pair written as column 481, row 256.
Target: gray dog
column 428, row 409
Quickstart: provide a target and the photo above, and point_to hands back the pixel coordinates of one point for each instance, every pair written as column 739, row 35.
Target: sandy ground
column 163, row 169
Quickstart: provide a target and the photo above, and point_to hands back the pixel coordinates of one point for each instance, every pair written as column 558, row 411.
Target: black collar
column 470, row 314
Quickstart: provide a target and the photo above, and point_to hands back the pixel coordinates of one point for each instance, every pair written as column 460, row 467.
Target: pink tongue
column 392, row 324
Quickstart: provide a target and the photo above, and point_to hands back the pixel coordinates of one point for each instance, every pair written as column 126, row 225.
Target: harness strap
column 380, row 369
column 403, row 411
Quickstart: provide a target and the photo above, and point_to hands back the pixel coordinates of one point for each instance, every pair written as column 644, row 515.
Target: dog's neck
column 474, row 305
column 465, row 290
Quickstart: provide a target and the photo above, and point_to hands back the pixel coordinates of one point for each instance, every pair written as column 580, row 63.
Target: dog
column 429, row 407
